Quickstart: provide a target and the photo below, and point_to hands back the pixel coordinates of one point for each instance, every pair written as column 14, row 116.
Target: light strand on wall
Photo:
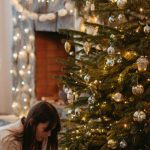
column 68, row 9
column 23, row 59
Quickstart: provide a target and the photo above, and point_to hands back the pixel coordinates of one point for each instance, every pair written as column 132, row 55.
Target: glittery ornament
column 111, row 19
column 78, row 111
column 87, row 46
column 147, row 29
column 67, row 46
column 87, row 78
column 122, row 18
column 111, row 50
column 110, row 62
column 138, row 89
column 91, row 100
column 121, row 3
column 139, row 116
column 123, row 144
column 112, row 144
column 142, row 63
column 117, row 97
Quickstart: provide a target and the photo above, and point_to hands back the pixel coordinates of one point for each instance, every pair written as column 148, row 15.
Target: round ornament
column 147, row 29
column 112, row 144
column 110, row 62
column 121, row 3
column 111, row 19
column 67, row 46
column 139, row 116
column 123, row 144
column 87, row 78
column 138, row 89
column 91, row 100
column 78, row 111
column 111, row 50
column 87, row 46
column 121, row 18
column 142, row 63
column 117, row 97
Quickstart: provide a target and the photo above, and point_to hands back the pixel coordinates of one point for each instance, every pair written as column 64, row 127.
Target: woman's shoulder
column 6, row 142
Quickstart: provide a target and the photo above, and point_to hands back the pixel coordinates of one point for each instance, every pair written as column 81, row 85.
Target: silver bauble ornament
column 142, row 63
column 121, row 3
column 112, row 144
column 110, row 62
column 139, row 116
column 117, row 97
column 138, row 89
column 147, row 29
column 111, row 19
column 111, row 50
column 123, row 144
column 91, row 100
column 87, row 78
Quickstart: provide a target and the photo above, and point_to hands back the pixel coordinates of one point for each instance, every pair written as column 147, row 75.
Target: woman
column 36, row 132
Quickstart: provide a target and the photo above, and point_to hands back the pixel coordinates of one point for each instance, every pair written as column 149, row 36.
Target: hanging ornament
column 110, row 62
column 123, row 144
column 98, row 47
column 121, row 3
column 122, row 18
column 67, row 46
column 87, row 46
column 142, row 63
column 147, row 29
column 92, row 7
column 138, row 89
column 139, row 116
column 87, row 78
column 91, row 100
column 112, row 144
column 117, row 97
column 111, row 19
column 78, row 111
column 119, row 60
column 111, row 50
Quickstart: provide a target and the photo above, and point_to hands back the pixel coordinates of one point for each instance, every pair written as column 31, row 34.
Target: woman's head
column 42, row 122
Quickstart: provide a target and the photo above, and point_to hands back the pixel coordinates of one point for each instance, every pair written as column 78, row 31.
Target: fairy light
column 26, row 30
column 13, row 89
column 30, row 90
column 25, row 99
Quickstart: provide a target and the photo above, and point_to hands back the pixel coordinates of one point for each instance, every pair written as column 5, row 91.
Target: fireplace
column 48, row 49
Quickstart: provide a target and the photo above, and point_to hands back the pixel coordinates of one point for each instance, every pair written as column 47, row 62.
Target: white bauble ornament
column 91, row 100
column 112, row 144
column 110, row 62
column 138, row 89
column 87, row 78
column 123, row 144
column 139, row 116
column 111, row 50
column 78, row 111
column 142, row 63
column 147, row 29
column 117, row 97
column 121, row 3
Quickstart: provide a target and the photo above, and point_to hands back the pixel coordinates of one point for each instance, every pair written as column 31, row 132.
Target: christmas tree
column 107, row 77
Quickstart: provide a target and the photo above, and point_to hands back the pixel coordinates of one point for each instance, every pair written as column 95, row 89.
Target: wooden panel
column 48, row 49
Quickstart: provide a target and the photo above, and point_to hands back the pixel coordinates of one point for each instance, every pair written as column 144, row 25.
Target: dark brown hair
column 40, row 113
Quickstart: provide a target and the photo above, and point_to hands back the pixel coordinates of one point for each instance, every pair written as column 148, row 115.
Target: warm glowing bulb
column 30, row 90
column 11, row 71
column 13, row 89
column 29, row 72
column 26, row 30
column 22, row 82
column 25, row 99
column 14, row 105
